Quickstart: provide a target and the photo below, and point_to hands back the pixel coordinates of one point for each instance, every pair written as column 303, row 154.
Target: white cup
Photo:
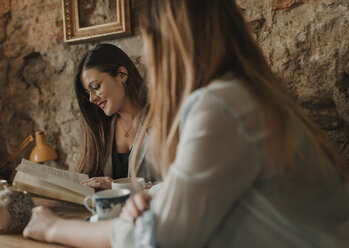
column 107, row 203
column 127, row 183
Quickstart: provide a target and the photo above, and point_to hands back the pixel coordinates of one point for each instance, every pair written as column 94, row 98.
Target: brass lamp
column 42, row 151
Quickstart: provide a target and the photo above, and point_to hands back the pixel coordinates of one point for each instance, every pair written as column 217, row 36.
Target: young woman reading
column 112, row 97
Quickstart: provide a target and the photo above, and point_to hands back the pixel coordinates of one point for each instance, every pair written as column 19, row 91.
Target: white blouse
column 221, row 192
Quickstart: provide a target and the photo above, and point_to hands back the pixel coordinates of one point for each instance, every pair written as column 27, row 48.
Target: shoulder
column 228, row 93
column 224, row 100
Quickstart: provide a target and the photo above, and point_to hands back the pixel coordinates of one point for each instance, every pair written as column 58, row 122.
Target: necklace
column 126, row 131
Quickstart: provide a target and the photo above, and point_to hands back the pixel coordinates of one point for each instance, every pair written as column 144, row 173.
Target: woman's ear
column 123, row 74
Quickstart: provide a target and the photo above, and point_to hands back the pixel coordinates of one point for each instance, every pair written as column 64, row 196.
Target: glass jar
column 15, row 208
column 3, row 184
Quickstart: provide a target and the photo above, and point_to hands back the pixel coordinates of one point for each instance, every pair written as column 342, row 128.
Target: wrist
column 52, row 230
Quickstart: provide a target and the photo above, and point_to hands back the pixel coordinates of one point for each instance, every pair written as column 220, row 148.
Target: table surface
column 63, row 209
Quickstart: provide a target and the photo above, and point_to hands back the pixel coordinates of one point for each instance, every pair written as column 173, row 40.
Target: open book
column 51, row 182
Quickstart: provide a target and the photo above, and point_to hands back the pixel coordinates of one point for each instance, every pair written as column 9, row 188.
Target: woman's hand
column 135, row 206
column 46, row 226
column 98, row 182
column 42, row 225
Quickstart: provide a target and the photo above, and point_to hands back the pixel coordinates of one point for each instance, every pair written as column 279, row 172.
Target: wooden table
column 63, row 209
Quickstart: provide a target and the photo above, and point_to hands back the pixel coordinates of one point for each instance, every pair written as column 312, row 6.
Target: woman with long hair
column 242, row 165
column 112, row 97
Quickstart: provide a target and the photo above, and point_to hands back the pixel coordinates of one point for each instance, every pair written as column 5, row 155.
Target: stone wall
column 306, row 42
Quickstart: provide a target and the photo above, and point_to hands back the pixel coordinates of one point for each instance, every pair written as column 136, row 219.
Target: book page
column 28, row 166
column 63, row 178
column 40, row 187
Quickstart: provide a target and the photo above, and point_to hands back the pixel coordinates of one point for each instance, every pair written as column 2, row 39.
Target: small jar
column 3, row 184
column 15, row 209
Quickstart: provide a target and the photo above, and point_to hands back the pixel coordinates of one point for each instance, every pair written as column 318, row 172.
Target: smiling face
column 105, row 91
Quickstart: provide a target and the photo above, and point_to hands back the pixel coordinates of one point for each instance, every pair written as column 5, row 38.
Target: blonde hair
column 190, row 43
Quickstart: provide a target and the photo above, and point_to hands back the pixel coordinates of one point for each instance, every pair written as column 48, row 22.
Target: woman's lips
column 102, row 104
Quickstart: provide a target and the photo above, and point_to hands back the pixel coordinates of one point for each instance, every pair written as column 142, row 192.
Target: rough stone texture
column 283, row 4
column 306, row 43
column 4, row 6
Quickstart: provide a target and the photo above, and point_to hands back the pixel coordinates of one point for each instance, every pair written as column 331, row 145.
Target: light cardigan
column 144, row 165
column 221, row 191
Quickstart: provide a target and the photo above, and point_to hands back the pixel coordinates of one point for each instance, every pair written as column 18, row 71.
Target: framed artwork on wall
column 87, row 20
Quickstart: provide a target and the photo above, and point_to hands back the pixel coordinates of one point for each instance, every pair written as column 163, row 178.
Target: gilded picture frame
column 84, row 21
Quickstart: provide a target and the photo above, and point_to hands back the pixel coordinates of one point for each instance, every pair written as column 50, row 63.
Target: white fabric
column 220, row 191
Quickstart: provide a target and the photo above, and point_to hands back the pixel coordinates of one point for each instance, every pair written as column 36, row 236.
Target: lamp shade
column 42, row 151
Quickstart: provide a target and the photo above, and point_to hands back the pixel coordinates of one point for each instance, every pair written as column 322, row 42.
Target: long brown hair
column 190, row 43
column 94, row 150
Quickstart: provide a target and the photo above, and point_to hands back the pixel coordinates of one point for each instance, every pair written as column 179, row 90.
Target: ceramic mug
column 127, row 183
column 107, row 203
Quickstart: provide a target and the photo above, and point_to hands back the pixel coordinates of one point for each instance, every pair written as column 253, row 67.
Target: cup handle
column 87, row 206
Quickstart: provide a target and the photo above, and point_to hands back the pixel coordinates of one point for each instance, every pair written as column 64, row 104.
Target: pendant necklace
column 126, row 131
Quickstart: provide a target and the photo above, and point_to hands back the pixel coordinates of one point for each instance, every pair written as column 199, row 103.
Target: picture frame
column 84, row 21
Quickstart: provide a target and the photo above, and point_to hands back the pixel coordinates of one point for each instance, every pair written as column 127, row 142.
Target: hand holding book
column 51, row 182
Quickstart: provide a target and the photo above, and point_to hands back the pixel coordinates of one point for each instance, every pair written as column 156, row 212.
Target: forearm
column 80, row 234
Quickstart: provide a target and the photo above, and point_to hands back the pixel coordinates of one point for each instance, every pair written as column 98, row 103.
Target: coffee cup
column 107, row 204
column 127, row 183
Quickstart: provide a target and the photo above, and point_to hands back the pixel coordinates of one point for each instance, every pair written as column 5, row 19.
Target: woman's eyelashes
column 95, row 89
